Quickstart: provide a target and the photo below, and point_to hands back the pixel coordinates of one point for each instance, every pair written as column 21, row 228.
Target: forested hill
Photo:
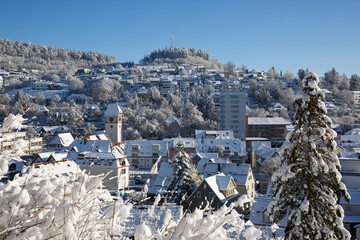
column 178, row 55
column 15, row 54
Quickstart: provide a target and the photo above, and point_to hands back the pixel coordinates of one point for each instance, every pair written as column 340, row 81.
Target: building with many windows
column 233, row 112
column 142, row 155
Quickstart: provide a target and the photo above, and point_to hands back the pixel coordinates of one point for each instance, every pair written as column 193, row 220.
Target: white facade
column 233, row 112
column 113, row 122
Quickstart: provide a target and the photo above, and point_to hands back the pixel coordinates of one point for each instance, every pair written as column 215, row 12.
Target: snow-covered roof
column 201, row 164
column 258, row 210
column 278, row 106
column 205, row 134
column 64, row 139
column 355, row 131
column 268, row 121
column 19, row 164
column 113, row 110
column 264, row 150
column 212, row 145
column 325, row 91
column 172, row 119
column 100, row 136
column 238, row 171
column 85, row 145
column 58, row 168
column 45, row 155
column 220, row 182
column 206, row 155
column 165, row 172
column 51, row 129
column 349, row 140
column 145, row 148
column 186, row 142
column 60, row 156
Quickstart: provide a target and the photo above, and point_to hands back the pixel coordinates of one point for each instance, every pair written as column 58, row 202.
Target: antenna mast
column 172, row 42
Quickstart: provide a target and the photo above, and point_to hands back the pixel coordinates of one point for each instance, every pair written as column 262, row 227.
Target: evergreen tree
column 307, row 185
column 301, row 73
column 185, row 176
column 354, row 83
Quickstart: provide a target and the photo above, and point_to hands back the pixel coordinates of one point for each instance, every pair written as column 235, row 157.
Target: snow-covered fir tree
column 185, row 176
column 308, row 185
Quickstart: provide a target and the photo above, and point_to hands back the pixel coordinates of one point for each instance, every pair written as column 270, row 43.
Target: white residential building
column 143, row 154
column 233, row 112
column 234, row 149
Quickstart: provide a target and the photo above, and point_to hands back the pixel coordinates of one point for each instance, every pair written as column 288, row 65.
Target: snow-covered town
column 177, row 145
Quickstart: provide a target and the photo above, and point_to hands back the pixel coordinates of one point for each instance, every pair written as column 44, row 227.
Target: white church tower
column 113, row 122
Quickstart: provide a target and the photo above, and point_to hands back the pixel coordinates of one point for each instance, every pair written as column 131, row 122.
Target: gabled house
column 49, row 157
column 201, row 165
column 216, row 190
column 198, row 156
column 50, row 130
column 62, row 140
column 242, row 174
column 99, row 157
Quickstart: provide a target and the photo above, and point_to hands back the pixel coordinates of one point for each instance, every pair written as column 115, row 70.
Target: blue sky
column 287, row 34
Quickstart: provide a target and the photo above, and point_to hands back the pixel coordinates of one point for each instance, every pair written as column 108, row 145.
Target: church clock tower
column 113, row 122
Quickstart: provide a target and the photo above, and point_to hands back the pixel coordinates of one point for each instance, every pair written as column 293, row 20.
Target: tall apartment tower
column 233, row 112
column 113, row 122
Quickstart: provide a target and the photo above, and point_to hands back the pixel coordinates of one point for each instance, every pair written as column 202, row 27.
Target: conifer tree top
column 310, row 83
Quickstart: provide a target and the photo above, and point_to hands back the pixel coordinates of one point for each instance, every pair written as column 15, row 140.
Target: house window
column 123, row 171
column 198, row 194
column 211, row 195
column 204, row 186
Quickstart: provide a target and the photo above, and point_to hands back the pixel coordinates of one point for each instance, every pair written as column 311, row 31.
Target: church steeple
column 113, row 122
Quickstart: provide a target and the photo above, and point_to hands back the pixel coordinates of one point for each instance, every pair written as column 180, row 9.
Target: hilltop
column 180, row 56
column 19, row 55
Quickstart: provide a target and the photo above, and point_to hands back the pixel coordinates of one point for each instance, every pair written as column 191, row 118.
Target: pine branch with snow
column 308, row 185
column 185, row 180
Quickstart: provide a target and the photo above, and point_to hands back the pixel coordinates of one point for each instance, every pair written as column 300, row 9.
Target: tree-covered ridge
column 172, row 54
column 15, row 54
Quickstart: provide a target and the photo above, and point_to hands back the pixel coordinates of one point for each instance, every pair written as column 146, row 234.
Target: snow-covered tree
column 185, row 176
column 354, row 83
column 308, row 185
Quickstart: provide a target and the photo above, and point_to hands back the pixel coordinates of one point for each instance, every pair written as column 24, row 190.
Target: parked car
column 138, row 180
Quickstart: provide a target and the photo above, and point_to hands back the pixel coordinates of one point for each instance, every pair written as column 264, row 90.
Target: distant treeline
column 173, row 54
column 15, row 54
